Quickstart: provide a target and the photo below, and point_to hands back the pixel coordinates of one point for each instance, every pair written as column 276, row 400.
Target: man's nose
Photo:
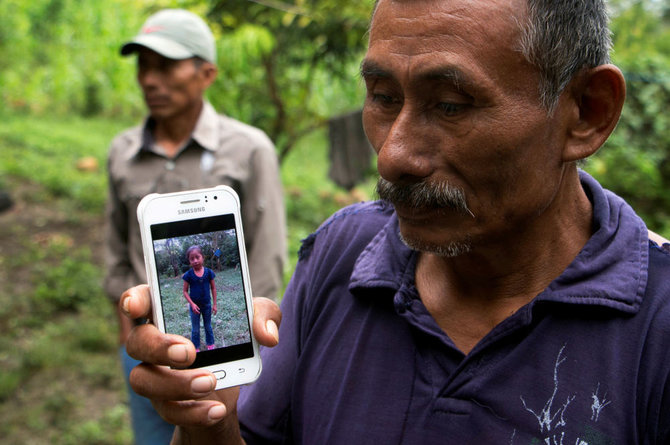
column 405, row 155
column 148, row 77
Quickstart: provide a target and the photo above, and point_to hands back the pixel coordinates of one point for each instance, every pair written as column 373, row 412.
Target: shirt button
column 169, row 165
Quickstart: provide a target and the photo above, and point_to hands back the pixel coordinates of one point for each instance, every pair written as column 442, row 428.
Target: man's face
column 452, row 104
column 170, row 87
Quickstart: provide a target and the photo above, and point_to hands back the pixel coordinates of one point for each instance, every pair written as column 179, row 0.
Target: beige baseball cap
column 176, row 34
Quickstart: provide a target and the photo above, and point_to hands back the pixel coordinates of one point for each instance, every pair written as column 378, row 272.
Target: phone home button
column 220, row 375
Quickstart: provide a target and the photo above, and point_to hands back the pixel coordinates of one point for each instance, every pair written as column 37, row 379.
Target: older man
column 496, row 295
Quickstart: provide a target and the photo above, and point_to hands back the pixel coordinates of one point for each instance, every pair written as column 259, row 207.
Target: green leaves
column 295, row 54
column 62, row 56
column 635, row 162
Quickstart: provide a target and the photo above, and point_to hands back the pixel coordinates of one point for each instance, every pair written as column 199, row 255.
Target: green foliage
column 57, row 344
column 289, row 67
column 59, row 354
column 9, row 381
column 635, row 162
column 171, row 257
column 67, row 285
column 62, row 56
column 107, row 431
column 48, row 150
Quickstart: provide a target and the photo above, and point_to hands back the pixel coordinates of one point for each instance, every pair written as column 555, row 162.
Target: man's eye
column 450, row 109
column 383, row 99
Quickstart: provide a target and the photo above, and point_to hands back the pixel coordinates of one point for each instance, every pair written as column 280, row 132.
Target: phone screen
column 224, row 335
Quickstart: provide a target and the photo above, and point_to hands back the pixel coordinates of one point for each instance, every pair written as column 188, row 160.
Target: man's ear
column 208, row 72
column 596, row 98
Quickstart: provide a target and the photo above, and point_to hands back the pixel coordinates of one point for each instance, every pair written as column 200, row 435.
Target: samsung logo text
column 191, row 210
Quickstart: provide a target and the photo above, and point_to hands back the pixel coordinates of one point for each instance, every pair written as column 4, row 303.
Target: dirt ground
column 31, row 220
column 30, row 223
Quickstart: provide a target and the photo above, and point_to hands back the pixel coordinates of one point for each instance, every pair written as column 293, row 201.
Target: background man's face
column 451, row 100
column 170, row 86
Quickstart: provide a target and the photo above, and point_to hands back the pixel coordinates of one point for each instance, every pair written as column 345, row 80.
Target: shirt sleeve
column 119, row 272
column 264, row 223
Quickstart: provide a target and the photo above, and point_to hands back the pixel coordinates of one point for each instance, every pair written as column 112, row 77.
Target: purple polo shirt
column 361, row 361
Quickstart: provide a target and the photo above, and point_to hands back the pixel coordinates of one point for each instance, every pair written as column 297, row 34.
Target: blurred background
column 288, row 67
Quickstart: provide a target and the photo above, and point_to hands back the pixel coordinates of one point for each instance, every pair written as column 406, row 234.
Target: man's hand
column 186, row 397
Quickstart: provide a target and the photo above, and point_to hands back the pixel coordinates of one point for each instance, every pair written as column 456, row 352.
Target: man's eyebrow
column 370, row 68
column 450, row 74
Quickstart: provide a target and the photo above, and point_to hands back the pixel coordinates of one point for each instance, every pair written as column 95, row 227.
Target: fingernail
column 216, row 412
column 178, row 353
column 125, row 305
column 203, row 384
column 271, row 327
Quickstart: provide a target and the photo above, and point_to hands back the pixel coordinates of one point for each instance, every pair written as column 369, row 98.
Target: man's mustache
column 434, row 195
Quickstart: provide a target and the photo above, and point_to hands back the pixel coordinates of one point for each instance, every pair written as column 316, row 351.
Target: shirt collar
column 611, row 269
column 205, row 134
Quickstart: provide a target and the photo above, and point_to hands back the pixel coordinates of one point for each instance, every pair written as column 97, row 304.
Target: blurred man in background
column 184, row 144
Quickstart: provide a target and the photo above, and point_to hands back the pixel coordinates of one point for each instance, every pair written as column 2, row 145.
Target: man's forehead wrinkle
column 428, row 43
column 445, row 42
column 439, row 29
column 442, row 20
column 434, row 31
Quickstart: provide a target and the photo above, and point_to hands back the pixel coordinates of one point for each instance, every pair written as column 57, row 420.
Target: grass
column 58, row 353
column 60, row 377
column 64, row 155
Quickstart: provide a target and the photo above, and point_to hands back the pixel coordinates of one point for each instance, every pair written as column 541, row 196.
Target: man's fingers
column 201, row 412
column 136, row 302
column 184, row 397
column 163, row 383
column 146, row 343
column 191, row 413
column 267, row 318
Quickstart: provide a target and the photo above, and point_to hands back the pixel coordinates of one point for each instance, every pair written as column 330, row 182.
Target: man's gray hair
column 561, row 38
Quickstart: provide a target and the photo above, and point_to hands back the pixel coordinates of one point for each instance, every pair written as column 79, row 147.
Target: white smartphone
column 197, row 270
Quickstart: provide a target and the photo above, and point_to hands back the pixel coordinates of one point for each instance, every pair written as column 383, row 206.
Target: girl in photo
column 198, row 281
